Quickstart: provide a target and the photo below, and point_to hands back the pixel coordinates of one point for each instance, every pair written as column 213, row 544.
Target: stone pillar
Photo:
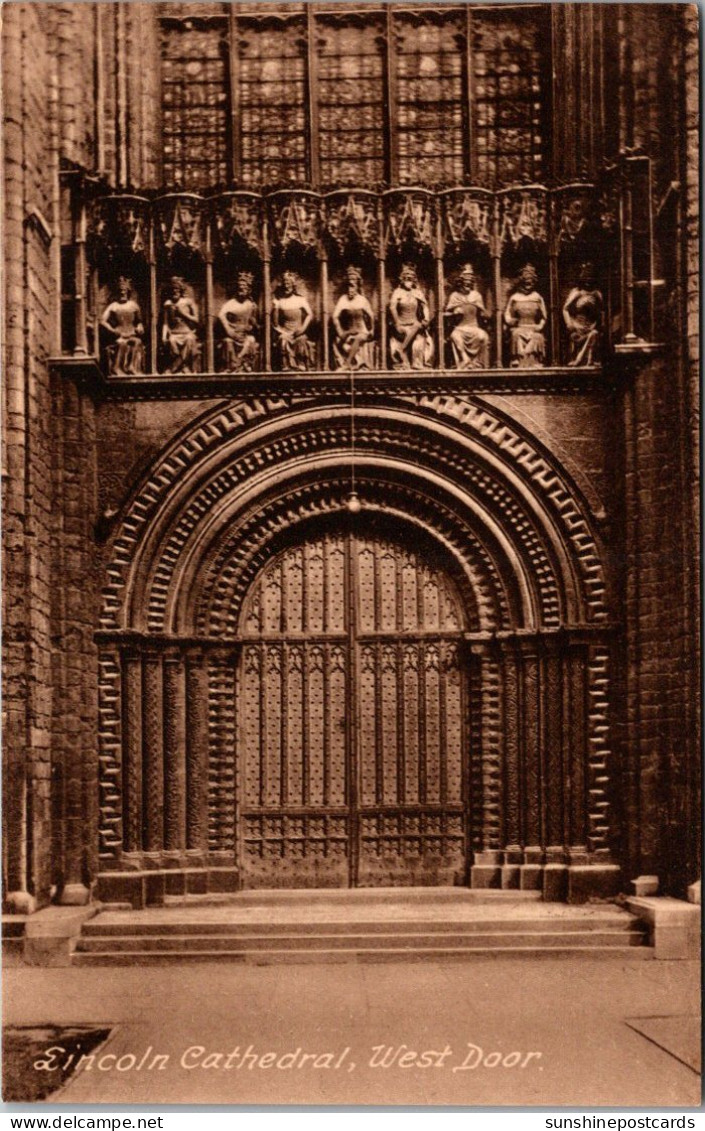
column 580, row 94
column 132, row 754
column 153, row 754
column 486, row 699
column 174, row 756
column 28, row 512
column 197, row 754
column 553, row 750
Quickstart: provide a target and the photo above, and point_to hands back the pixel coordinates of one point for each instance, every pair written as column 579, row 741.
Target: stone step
column 133, row 926
column 273, row 956
column 353, row 940
column 309, row 897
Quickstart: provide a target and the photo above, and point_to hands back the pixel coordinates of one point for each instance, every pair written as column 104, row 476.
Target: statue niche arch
column 514, row 547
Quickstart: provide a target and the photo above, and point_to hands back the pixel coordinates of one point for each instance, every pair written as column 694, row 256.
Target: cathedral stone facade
column 351, row 448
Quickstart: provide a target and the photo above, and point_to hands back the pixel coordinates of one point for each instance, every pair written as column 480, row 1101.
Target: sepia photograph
column 351, row 555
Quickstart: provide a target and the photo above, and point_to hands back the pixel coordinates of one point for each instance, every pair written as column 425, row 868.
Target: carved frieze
column 237, row 217
column 524, row 217
column 118, row 225
column 351, row 220
column 296, row 218
column 180, row 222
column 467, row 216
column 410, row 216
column 574, row 217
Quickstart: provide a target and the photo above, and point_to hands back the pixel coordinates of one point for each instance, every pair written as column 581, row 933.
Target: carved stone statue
column 582, row 314
column 410, row 342
column 526, row 317
column 239, row 318
column 122, row 322
column 467, row 338
column 180, row 344
column 353, row 321
column 291, row 318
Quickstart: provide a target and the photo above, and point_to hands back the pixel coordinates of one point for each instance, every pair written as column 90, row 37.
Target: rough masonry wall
column 109, row 93
column 77, row 91
column 660, row 452
column 27, row 463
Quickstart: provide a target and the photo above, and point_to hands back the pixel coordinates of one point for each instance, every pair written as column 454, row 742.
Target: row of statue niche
column 411, row 344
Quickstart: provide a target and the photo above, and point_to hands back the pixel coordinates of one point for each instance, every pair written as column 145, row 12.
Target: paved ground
column 574, row 1012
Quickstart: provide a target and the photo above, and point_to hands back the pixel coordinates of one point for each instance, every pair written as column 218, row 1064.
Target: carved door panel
column 352, row 736
column 410, row 810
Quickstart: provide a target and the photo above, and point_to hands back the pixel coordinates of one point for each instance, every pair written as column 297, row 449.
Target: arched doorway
column 470, row 749
column 353, row 739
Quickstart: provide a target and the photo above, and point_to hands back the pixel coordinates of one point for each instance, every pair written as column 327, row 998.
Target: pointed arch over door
column 353, row 741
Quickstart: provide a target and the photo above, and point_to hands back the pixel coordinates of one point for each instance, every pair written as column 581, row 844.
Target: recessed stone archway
column 222, row 501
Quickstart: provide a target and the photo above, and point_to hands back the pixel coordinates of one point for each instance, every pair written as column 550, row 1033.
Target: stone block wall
column 27, row 68
column 661, row 474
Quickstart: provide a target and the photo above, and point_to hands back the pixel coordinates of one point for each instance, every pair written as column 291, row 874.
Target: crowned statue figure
column 180, row 346
column 582, row 314
column 238, row 318
column 291, row 318
column 122, row 323
column 468, row 338
column 353, row 322
column 410, row 341
column 526, row 317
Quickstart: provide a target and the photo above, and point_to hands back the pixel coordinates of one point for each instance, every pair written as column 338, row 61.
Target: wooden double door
column 352, row 740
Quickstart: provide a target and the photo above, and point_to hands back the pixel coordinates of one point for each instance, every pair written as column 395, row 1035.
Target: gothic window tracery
column 509, row 98
column 351, row 86
column 354, row 98
column 271, row 86
column 429, row 106
column 194, row 105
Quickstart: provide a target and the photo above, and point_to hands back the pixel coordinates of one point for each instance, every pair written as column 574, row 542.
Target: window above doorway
column 308, row 95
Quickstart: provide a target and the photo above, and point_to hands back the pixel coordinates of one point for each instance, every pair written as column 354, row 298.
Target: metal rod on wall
column 210, row 363
column 497, row 285
column 267, row 282
column 440, row 288
column 381, row 286
column 152, row 298
column 323, row 276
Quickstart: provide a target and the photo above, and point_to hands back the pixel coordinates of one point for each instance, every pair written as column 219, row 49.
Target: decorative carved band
column 196, row 747
column 174, row 752
column 180, row 222
column 528, row 217
column 250, row 543
column 110, row 754
column 599, row 832
column 222, row 781
column 472, row 421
